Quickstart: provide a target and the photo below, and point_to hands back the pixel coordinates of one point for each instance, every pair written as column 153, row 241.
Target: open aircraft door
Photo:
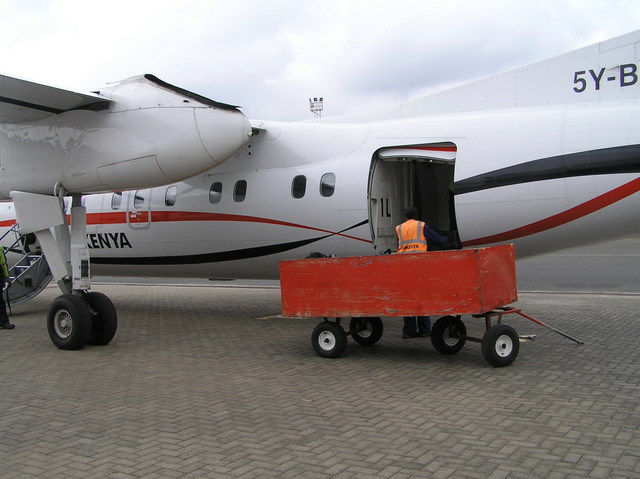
column 412, row 175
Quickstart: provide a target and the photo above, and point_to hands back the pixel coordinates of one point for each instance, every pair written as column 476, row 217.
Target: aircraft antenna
column 315, row 106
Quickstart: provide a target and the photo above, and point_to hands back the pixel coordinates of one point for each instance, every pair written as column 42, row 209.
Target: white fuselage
column 546, row 156
column 246, row 237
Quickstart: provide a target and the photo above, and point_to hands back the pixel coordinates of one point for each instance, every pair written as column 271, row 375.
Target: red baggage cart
column 440, row 283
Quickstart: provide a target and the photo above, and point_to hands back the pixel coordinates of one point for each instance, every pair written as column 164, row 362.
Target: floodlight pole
column 315, row 106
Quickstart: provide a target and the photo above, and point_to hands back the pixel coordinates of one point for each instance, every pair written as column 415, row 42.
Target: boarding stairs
column 29, row 272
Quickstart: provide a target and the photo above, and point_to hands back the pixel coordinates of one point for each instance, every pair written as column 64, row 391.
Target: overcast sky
column 270, row 56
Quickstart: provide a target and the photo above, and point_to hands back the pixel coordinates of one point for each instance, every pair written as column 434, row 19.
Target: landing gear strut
column 78, row 317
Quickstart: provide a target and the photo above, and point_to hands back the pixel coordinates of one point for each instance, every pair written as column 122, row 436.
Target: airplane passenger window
column 327, row 184
column 116, row 200
column 240, row 191
column 171, row 196
column 138, row 199
column 215, row 193
column 299, row 186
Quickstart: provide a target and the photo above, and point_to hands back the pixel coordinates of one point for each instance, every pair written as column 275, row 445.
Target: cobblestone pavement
column 210, row 382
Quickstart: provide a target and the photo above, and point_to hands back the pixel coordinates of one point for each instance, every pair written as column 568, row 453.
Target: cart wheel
column 500, row 345
column 329, row 339
column 366, row 331
column 446, row 334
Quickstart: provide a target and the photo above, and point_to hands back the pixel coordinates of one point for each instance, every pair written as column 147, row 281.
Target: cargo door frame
column 411, row 175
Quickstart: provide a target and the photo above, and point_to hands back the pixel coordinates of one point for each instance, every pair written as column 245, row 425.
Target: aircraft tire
column 104, row 319
column 500, row 345
column 329, row 340
column 69, row 322
column 366, row 331
column 443, row 332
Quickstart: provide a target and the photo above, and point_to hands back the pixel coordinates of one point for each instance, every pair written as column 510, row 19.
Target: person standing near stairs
column 4, row 319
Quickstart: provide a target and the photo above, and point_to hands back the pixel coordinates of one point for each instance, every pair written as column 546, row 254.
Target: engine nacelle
column 151, row 134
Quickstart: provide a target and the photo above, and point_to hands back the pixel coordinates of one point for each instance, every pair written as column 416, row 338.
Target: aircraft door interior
column 416, row 175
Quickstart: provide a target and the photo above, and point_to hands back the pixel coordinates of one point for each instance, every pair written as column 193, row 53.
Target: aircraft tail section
column 606, row 71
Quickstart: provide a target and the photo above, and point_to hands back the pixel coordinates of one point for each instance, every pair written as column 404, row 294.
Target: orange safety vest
column 411, row 237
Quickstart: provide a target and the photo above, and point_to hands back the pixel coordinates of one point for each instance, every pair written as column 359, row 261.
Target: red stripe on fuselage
column 584, row 209
column 106, row 218
column 432, row 148
column 560, row 219
column 113, row 218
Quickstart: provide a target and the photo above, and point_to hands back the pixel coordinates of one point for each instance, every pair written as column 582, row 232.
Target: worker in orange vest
column 414, row 237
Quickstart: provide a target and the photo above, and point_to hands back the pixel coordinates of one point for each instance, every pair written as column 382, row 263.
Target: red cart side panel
column 470, row 281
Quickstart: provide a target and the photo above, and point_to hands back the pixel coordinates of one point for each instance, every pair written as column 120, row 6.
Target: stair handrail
column 19, row 247
column 16, row 230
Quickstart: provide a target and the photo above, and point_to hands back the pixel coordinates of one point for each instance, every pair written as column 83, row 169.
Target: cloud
column 270, row 57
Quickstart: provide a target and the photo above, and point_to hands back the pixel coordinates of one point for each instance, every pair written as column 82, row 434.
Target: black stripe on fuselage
column 232, row 255
column 619, row 159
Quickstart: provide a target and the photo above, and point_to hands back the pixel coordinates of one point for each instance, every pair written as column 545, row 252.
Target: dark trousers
column 4, row 319
column 415, row 324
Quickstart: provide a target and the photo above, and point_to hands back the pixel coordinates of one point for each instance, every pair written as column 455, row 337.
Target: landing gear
column 69, row 322
column 75, row 321
column 104, row 319
column 78, row 317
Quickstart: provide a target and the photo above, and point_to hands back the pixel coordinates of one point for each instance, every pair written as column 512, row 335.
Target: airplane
column 546, row 156
column 141, row 132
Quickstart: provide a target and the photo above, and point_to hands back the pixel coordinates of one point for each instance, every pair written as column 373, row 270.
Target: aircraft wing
column 23, row 101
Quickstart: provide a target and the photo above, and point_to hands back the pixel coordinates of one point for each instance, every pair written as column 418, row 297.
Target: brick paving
column 207, row 381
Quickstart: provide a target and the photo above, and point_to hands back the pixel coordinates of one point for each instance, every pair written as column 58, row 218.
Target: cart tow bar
column 537, row 321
